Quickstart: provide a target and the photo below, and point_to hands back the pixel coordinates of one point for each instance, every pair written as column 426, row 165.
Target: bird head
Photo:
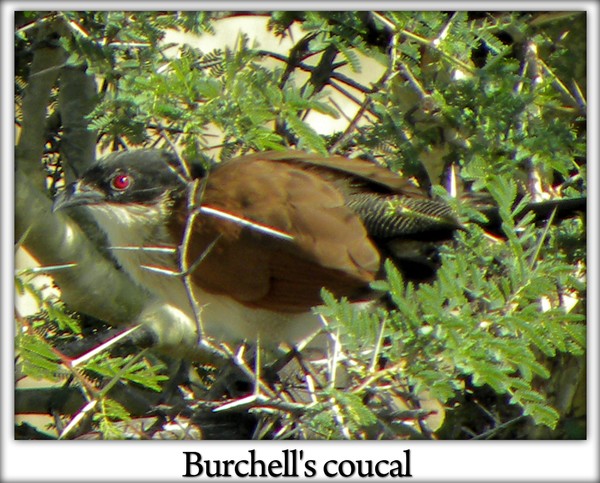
column 135, row 178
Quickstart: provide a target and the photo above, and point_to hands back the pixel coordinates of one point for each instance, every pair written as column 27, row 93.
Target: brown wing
column 331, row 167
column 330, row 246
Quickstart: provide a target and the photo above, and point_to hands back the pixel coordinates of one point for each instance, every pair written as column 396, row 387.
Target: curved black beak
column 77, row 194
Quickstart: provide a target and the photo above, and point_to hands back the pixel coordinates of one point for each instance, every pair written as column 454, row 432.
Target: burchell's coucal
column 258, row 236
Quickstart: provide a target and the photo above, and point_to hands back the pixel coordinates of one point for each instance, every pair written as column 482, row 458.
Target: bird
column 242, row 252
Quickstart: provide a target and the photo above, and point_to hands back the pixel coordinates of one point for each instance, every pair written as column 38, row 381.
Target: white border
column 164, row 461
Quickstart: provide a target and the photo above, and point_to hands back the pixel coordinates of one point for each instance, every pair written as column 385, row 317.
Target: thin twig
column 378, row 345
column 165, row 135
column 96, row 350
column 488, row 434
column 183, row 257
column 538, row 247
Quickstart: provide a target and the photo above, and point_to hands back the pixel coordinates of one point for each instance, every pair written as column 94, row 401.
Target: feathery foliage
column 486, row 105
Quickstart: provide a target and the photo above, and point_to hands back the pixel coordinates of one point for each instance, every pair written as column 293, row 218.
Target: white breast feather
column 139, row 228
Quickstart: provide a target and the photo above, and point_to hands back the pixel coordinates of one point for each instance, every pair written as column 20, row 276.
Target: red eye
column 121, row 182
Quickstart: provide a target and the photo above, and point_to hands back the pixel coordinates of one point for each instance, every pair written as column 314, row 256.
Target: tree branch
column 69, row 400
column 47, row 62
column 76, row 99
column 95, row 286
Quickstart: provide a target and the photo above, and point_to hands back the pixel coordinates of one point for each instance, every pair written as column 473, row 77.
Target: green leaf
column 39, row 360
column 542, row 414
column 308, row 137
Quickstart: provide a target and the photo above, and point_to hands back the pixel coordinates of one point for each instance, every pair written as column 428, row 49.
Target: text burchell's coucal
column 259, row 236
